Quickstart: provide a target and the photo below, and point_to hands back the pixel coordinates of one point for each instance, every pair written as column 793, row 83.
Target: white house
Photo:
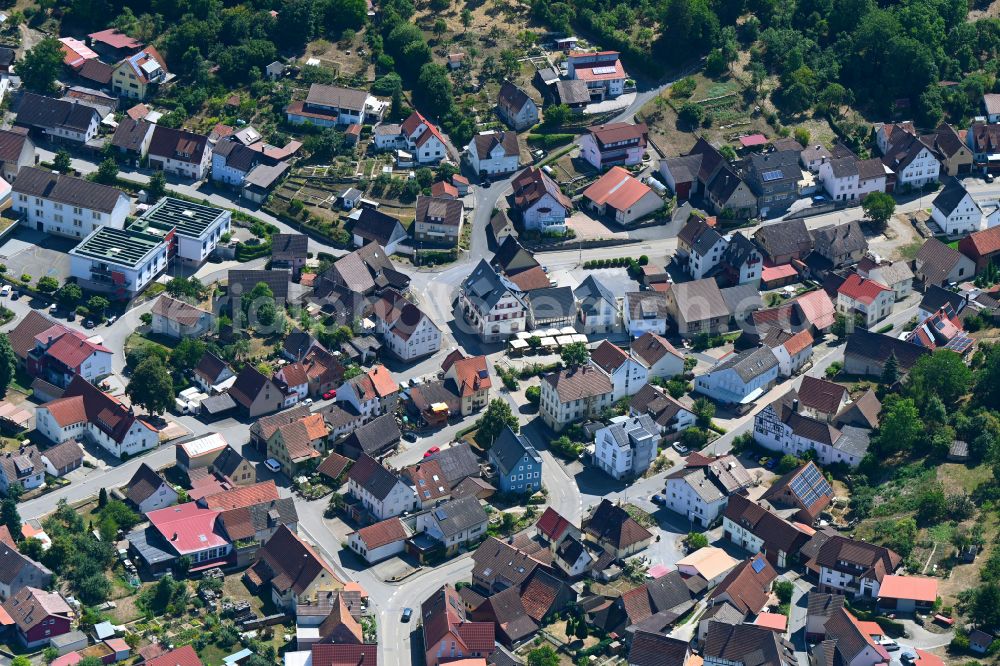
column 491, row 304
column 404, row 328
column 621, row 144
column 416, row 135
column 179, row 152
column 851, row 179
column 148, row 491
column 627, row 374
column 896, row 275
column 913, row 163
column 868, row 299
column 382, row 493
column 627, row 447
column 574, row 393
column 602, row 71
column 372, row 393
column 622, row 197
column 23, row 466
column 645, row 312
column 59, row 354
column 740, row 378
column 67, row 206
column 516, row 108
column 86, row 412
column 699, row 247
column 700, row 490
column 330, row 106
column 855, row 568
column 494, row 153
column 597, row 307
column 670, row 416
column 66, row 120
column 176, row 319
column 782, row 427
column 542, row 204
column 956, row 212
column 380, row 541
column 793, row 351
column 455, row 522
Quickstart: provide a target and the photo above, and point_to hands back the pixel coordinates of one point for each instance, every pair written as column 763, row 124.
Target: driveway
column 38, row 254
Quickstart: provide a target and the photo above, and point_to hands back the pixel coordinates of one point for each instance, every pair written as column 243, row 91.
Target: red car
column 332, row 393
column 431, row 451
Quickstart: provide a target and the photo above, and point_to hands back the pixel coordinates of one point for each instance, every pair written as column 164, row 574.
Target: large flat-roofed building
column 119, row 262
column 193, row 230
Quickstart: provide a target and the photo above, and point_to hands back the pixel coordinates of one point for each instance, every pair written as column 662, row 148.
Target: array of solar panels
column 809, row 486
column 768, row 176
column 758, row 564
column 961, row 343
column 605, row 70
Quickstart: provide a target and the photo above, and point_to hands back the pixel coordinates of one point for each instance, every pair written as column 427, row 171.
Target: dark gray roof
column 699, row 235
column 510, row 448
column 457, row 462
column 739, row 250
column 247, row 279
column 853, row 440
column 484, row 285
column 833, row 240
column 130, row 134
column 623, row 431
column 948, row 198
column 47, row 112
column 650, row 649
column 228, row 461
column 43, row 183
column 669, row 591
column 508, row 251
column 369, row 474
column 784, row 161
column 724, row 184
column 747, row 644
column 287, row 247
column 823, row 603
column 741, row 300
column 143, row 484
column 457, row 515
column 371, row 225
column 590, row 293
column 217, row 404
column 298, row 343
column 789, row 237
column 879, row 347
column 375, row 436
column 552, row 303
column 12, row 563
column 572, row 92
column 210, row 366
column 937, row 297
column 748, row 364
column 699, row 300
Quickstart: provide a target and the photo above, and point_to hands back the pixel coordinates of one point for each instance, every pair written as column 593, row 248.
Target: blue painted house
column 518, row 465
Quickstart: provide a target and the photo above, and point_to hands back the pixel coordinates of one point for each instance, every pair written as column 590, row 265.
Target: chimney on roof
column 795, row 405
column 174, row 537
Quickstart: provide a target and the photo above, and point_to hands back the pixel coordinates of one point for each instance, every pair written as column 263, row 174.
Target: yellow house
column 298, row 442
column 294, row 571
column 139, row 75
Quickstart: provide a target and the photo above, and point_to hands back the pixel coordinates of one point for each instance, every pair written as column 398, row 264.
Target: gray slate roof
column 749, row 364
column 458, row 515
column 510, row 448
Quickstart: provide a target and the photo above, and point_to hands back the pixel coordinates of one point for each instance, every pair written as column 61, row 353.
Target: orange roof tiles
column 909, row 587
column 618, row 189
column 862, row 289
column 265, row 491
column 773, row 621
column 382, row 381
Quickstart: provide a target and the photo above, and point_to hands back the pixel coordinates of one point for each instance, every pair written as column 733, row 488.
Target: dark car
column 407, row 614
column 16, row 295
column 89, row 323
column 410, row 436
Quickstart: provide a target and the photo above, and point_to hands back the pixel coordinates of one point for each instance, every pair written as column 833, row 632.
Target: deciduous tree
column 151, row 387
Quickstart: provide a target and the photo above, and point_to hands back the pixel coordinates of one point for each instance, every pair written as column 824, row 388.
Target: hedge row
column 548, row 141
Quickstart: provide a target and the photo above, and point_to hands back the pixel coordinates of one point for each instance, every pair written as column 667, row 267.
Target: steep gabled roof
column 290, row 563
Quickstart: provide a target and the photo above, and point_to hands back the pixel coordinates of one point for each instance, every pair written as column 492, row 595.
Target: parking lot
column 38, row 254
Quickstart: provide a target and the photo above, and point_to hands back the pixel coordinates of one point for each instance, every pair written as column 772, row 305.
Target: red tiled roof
column 115, row 39
column 182, row 656
column 188, row 528
column 443, row 189
column 983, row 242
column 471, row 375
column 552, row 524
column 798, row 342
column 265, row 491
column 862, row 289
column 772, row 272
column 618, row 189
column 382, row 533
column 908, row 587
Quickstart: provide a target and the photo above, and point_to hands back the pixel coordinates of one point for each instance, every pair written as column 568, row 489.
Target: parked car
column 988, row 178
column 272, row 465
column 431, row 451
column 112, row 319
column 407, row 614
column 89, row 323
column 332, row 393
column 410, row 436
column 659, row 499
column 5, row 290
column 680, row 448
column 53, row 308
column 307, row 402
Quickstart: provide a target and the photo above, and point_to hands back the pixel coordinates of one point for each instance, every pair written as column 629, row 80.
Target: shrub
column 696, row 540
column 533, row 394
column 683, row 88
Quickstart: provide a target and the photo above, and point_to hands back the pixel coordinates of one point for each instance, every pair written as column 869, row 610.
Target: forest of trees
column 824, row 52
